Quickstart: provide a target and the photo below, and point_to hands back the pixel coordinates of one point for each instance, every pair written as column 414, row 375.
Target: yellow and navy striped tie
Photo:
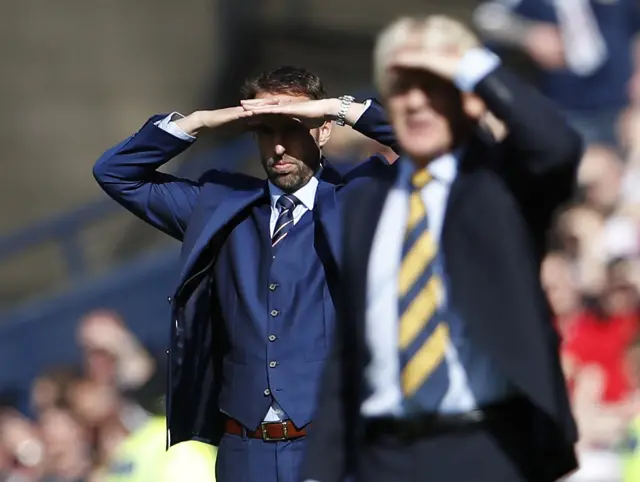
column 423, row 336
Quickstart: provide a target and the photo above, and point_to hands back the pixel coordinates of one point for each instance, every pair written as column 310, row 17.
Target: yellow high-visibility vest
column 142, row 457
column 631, row 453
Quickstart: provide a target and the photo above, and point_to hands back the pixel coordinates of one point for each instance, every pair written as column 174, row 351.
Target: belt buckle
column 265, row 434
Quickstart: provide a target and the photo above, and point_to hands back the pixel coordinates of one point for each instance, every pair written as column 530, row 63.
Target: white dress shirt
column 383, row 372
column 307, row 196
column 382, row 375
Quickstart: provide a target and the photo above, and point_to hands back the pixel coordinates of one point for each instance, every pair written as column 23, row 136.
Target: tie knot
column 421, row 178
column 287, row 201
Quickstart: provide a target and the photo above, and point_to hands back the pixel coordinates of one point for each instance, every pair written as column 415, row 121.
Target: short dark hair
column 285, row 80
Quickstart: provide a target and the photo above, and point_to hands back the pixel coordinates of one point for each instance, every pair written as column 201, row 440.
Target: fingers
column 270, row 109
column 248, row 104
column 259, row 101
column 408, row 60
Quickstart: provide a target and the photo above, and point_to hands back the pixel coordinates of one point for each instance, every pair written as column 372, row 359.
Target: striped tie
column 286, row 204
column 423, row 337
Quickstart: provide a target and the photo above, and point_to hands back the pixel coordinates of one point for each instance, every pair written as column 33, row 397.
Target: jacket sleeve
column 541, row 154
column 129, row 174
column 374, row 124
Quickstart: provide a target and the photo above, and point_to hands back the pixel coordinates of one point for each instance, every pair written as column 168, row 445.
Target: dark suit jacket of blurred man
column 493, row 238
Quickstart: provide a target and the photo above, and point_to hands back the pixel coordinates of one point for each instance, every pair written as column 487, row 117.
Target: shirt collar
column 443, row 169
column 306, row 194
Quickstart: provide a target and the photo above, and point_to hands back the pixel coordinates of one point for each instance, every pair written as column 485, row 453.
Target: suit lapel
column 330, row 174
column 328, row 215
column 221, row 214
column 477, row 151
column 364, row 216
column 369, row 211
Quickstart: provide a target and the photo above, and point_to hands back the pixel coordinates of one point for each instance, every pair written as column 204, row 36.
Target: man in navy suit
column 254, row 310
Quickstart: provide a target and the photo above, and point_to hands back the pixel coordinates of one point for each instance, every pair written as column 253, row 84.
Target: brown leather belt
column 268, row 431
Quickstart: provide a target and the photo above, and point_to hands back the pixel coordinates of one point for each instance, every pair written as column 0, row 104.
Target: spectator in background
column 631, row 445
column 22, row 449
column 113, row 356
column 82, row 417
column 599, row 336
column 584, row 50
column 67, row 445
column 141, row 457
column 49, row 389
column 99, row 409
column 593, row 294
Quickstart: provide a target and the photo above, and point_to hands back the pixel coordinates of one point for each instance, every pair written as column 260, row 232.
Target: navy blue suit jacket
column 201, row 214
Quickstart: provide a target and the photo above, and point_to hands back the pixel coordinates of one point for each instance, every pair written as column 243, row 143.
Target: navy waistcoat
column 278, row 316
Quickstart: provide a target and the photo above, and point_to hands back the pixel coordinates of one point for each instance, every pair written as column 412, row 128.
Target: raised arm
column 129, row 174
column 522, row 25
column 541, row 153
column 368, row 117
column 540, row 139
column 372, row 122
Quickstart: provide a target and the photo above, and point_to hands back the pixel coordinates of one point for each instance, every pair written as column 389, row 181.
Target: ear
column 473, row 106
column 324, row 133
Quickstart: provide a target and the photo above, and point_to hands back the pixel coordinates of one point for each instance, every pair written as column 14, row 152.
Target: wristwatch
column 344, row 108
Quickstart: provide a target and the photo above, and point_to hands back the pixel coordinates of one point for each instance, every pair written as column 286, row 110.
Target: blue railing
column 65, row 230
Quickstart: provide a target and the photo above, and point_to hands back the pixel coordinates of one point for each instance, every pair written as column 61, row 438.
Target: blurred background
column 84, row 318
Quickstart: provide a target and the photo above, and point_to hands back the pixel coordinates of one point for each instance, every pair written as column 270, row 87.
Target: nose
column 417, row 98
column 279, row 150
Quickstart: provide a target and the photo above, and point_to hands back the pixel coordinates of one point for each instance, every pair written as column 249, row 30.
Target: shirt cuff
column 168, row 125
column 475, row 65
column 366, row 104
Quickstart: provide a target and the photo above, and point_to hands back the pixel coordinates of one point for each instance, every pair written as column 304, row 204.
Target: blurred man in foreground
column 254, row 309
column 446, row 364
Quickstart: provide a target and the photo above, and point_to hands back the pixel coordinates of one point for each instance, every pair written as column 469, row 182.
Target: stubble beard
column 291, row 181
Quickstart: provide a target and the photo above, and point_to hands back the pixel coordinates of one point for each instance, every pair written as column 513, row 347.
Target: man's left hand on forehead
column 444, row 63
column 311, row 113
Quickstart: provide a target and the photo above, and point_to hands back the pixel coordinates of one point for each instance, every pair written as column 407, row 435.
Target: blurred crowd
column 584, row 57
column 83, row 417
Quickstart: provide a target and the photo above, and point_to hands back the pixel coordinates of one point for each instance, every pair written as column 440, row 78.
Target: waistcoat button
column 272, row 337
column 273, row 364
column 267, row 392
column 273, row 286
column 274, row 312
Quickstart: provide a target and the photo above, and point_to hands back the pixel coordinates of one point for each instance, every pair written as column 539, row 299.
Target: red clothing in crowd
column 593, row 340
